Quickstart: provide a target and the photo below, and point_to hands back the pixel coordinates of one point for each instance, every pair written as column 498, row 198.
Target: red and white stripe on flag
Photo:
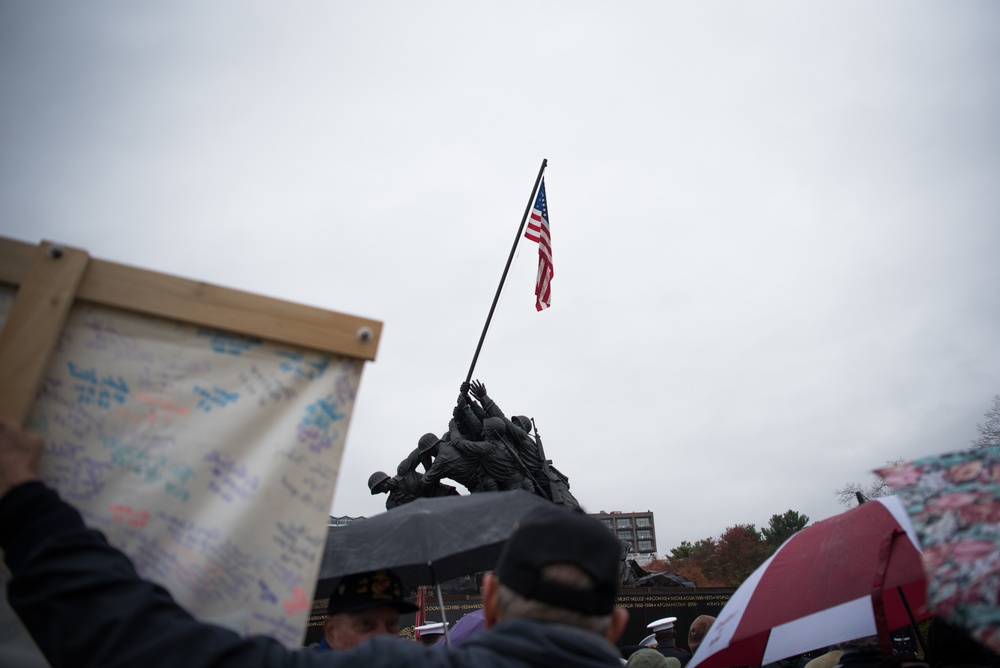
column 538, row 231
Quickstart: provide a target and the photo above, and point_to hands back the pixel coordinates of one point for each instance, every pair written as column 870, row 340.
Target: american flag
column 538, row 231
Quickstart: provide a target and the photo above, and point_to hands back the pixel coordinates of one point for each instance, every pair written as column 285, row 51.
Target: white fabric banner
column 210, row 458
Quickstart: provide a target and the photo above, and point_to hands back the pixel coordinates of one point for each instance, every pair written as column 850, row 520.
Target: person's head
column 523, row 421
column 362, row 606
column 559, row 566
column 378, row 482
column 430, row 633
column 647, row 658
column 427, row 442
column 494, row 426
column 949, row 644
column 664, row 630
column 699, row 627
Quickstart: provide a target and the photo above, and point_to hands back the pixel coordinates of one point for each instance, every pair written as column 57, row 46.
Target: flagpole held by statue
column 542, row 237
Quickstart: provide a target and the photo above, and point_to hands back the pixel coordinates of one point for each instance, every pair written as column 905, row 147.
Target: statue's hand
column 463, row 388
column 478, row 389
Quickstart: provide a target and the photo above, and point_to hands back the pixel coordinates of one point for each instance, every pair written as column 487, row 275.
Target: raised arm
column 83, row 602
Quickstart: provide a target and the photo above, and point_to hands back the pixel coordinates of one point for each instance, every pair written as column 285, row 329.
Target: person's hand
column 478, row 389
column 20, row 450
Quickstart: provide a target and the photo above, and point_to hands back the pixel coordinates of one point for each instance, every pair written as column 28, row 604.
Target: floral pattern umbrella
column 954, row 502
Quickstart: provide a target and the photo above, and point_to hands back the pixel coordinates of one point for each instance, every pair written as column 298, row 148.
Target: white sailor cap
column 661, row 624
column 431, row 629
column 649, row 641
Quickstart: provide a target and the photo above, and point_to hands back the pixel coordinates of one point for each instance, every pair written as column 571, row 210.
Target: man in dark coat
column 550, row 601
column 363, row 606
column 666, row 639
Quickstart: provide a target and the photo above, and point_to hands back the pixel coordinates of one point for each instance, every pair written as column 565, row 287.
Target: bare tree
column 854, row 493
column 989, row 431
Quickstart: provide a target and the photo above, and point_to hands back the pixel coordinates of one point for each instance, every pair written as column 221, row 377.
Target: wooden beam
column 15, row 258
column 207, row 305
column 44, row 298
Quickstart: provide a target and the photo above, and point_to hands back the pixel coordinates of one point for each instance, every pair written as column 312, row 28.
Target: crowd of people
column 551, row 601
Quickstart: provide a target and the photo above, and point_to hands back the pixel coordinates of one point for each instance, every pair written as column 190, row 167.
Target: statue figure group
column 482, row 450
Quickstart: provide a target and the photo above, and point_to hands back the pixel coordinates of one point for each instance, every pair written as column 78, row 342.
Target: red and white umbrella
column 853, row 575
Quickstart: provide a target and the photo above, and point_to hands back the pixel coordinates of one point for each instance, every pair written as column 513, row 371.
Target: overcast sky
column 775, row 224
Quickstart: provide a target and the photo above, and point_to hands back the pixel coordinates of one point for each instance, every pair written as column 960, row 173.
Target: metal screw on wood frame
column 365, row 334
column 55, row 252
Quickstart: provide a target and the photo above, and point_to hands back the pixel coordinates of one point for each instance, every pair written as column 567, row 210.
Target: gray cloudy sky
column 775, row 224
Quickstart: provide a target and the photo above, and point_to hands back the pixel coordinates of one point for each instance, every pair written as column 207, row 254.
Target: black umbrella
column 430, row 540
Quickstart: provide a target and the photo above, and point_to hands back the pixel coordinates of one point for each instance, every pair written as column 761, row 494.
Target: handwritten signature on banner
column 214, row 398
column 316, row 429
column 153, row 410
column 299, row 546
column 122, row 513
column 92, row 389
column 298, row 601
column 298, row 364
column 227, row 343
column 152, row 468
column 230, row 480
column 266, row 387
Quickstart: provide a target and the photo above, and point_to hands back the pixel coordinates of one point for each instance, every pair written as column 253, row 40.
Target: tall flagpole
column 510, row 258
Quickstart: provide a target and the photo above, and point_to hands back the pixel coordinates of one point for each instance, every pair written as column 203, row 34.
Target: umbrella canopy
column 468, row 626
column 954, row 502
column 431, row 539
column 852, row 575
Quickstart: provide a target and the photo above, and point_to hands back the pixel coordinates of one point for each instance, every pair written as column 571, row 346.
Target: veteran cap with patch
column 561, row 536
column 368, row 590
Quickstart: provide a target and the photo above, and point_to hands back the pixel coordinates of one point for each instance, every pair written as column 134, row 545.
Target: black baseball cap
column 559, row 535
column 354, row 593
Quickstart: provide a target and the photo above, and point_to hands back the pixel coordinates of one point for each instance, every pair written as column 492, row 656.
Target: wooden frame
column 51, row 277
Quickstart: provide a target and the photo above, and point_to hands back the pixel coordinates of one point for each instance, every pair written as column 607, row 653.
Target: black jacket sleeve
column 84, row 604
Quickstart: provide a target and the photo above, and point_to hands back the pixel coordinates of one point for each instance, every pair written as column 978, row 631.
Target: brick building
column 637, row 528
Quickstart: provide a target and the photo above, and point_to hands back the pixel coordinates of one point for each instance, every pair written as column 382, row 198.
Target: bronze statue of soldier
column 482, row 450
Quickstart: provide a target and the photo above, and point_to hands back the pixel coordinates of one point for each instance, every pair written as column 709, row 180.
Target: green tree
column 682, row 551
column 695, row 561
column 728, row 560
column 781, row 527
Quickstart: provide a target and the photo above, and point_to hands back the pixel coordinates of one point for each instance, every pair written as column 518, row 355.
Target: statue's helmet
column 523, row 421
column 375, row 481
column 494, row 424
column 426, row 442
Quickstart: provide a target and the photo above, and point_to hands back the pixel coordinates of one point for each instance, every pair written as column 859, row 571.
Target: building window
column 645, row 533
column 645, row 546
column 625, row 534
column 624, row 523
column 642, row 522
column 606, row 522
